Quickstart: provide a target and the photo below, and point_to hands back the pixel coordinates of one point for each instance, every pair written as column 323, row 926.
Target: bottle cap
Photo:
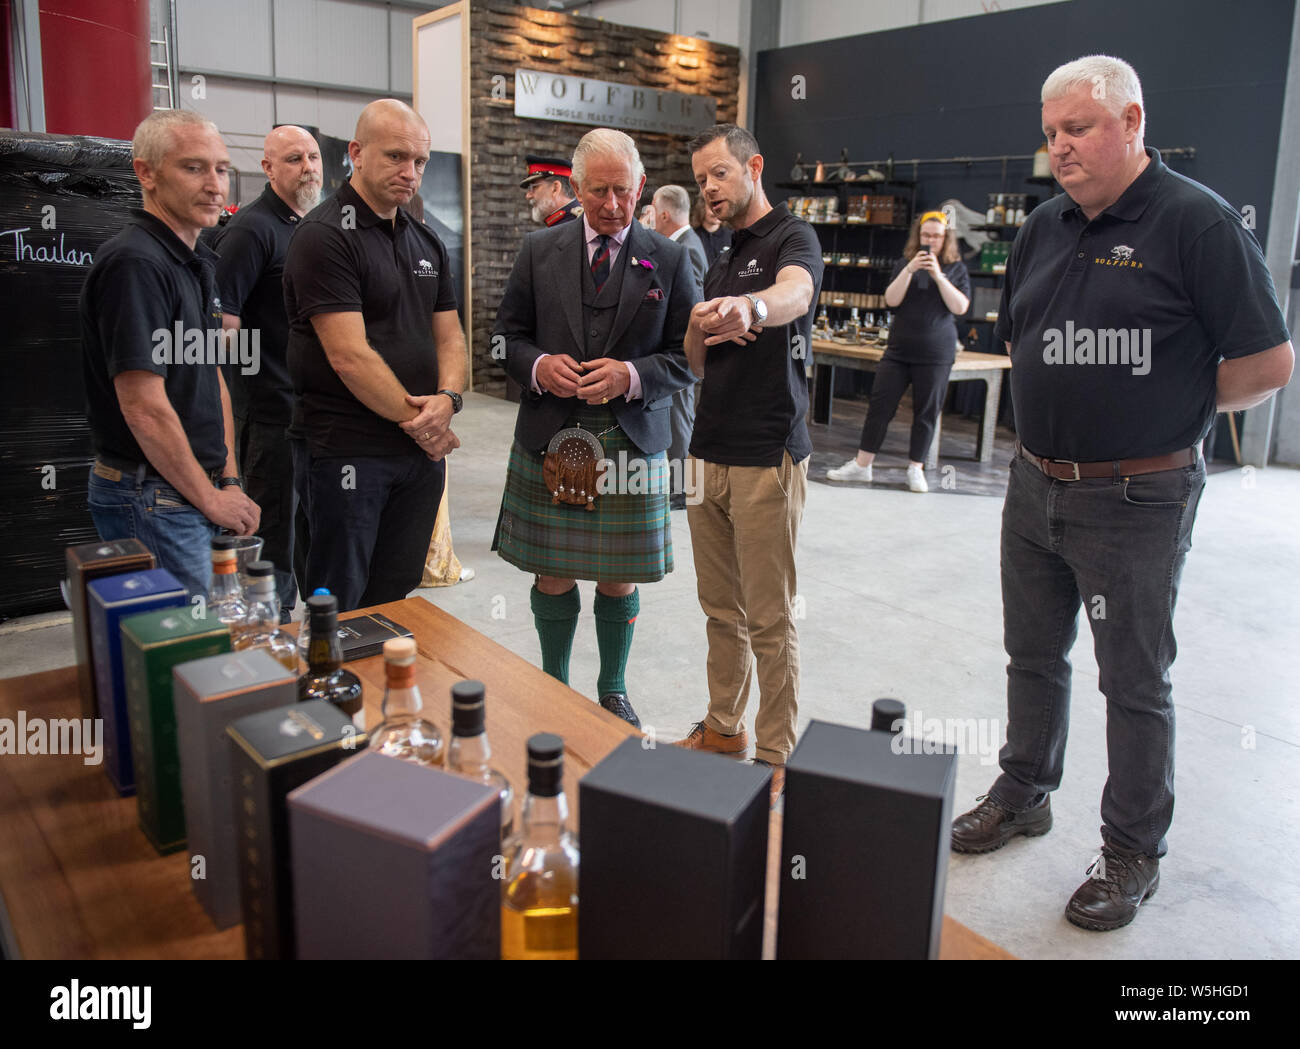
column 400, row 650
column 468, row 710
column 887, row 715
column 323, row 608
column 320, row 590
column 223, row 542
column 545, row 765
column 257, row 569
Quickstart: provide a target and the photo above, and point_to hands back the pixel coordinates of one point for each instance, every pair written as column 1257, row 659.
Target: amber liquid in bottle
column 539, row 907
column 261, row 629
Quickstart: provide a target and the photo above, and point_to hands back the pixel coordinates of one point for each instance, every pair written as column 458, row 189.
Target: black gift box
column 864, row 848
column 674, row 855
column 362, row 636
column 272, row 753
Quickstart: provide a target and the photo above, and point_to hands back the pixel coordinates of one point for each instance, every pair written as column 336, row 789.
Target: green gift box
column 153, row 643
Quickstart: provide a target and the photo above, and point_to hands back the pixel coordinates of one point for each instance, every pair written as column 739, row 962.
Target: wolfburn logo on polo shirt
column 425, row 269
column 1121, row 255
column 752, row 269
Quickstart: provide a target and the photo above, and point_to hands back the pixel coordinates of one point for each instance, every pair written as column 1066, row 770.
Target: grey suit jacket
column 690, row 240
column 541, row 312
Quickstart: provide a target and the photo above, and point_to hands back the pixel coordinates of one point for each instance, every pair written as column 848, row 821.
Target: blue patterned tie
column 600, row 262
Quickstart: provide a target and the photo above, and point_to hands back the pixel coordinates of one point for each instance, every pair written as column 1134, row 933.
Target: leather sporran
column 573, row 467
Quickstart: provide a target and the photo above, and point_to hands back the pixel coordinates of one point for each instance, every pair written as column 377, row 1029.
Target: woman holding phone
column 928, row 290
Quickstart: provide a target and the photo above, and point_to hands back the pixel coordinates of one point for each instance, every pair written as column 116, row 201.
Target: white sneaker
column 850, row 471
column 916, row 478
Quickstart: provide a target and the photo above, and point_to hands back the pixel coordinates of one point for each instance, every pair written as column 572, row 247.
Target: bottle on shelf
column 261, row 627
column 405, row 733
column 469, row 754
column 1042, row 162
column 226, row 596
column 539, row 904
column 855, row 324
column 1000, row 210
column 325, row 677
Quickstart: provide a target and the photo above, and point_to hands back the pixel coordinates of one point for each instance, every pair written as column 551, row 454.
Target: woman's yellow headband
column 935, row 216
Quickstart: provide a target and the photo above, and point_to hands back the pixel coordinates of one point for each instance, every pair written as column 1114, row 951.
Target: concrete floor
column 901, row 598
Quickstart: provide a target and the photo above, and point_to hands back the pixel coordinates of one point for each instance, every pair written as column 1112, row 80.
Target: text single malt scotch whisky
column 469, row 754
column 325, row 678
column 261, row 627
column 405, row 733
column 539, row 907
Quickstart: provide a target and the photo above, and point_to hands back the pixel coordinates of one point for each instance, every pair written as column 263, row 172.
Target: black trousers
column 266, row 463
column 929, row 384
column 371, row 519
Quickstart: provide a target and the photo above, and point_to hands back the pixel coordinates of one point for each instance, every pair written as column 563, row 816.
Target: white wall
column 719, row 20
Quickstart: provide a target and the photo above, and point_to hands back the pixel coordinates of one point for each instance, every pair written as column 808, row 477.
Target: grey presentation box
column 864, row 846
column 209, row 694
column 395, row 860
column 674, row 855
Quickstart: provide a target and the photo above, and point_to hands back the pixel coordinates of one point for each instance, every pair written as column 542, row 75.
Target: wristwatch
column 456, row 402
column 760, row 309
column 228, row 482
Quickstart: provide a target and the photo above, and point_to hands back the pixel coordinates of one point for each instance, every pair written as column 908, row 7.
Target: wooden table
column 78, row 879
column 968, row 367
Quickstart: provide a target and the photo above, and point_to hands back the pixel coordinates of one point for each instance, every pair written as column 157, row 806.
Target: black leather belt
column 1065, row 470
column 142, row 470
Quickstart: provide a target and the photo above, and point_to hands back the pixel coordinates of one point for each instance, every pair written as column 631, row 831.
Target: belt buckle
column 1064, row 462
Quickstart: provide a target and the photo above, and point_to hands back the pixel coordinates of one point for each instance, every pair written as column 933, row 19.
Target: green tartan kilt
column 627, row 538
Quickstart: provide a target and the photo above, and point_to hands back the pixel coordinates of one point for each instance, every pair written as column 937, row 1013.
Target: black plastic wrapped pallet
column 61, row 196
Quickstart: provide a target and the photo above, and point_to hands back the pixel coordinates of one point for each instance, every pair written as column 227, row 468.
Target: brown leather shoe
column 989, row 826
column 1118, row 884
column 704, row 738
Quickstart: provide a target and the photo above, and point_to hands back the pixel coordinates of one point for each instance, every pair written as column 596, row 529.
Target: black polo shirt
column 145, row 282
column 1117, row 325
column 924, row 330
column 754, row 401
column 250, row 278
column 344, row 258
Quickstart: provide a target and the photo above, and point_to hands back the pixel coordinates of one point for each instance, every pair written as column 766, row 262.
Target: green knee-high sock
column 615, row 621
column 556, row 616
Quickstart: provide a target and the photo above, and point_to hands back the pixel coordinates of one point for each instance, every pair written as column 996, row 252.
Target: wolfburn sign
column 579, row 100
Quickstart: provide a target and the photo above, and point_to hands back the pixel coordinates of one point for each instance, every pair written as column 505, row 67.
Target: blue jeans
column 151, row 510
column 371, row 520
column 1117, row 547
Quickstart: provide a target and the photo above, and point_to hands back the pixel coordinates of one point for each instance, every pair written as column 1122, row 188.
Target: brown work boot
column 704, row 738
column 989, row 825
column 778, row 779
column 1118, row 884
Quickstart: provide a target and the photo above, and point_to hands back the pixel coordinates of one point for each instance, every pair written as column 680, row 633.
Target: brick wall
column 503, row 38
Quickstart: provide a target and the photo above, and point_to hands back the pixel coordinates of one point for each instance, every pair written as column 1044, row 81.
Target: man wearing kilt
column 593, row 320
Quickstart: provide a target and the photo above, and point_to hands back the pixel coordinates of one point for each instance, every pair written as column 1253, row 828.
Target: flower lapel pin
column 644, row 263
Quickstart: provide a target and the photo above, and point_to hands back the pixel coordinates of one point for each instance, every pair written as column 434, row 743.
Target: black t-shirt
column 250, row 277
column 924, row 330
column 150, row 304
column 1117, row 325
column 344, row 258
column 754, row 401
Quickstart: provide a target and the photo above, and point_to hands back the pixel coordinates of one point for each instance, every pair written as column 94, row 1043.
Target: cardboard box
column 108, row 602
column 95, row 561
column 395, row 860
column 209, row 694
column 864, row 846
column 153, row 643
column 674, row 855
column 272, row 753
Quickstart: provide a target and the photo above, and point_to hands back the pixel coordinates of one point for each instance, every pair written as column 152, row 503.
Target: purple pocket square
column 655, row 295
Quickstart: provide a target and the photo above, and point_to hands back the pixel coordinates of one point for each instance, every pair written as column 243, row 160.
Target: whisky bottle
column 304, row 631
column 404, row 733
column 325, row 678
column 539, row 906
column 261, row 627
column 226, row 598
column 469, row 754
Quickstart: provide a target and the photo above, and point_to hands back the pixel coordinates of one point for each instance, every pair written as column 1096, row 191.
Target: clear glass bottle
column 226, row 598
column 261, row 627
column 405, row 733
column 469, row 753
column 325, row 677
column 539, row 906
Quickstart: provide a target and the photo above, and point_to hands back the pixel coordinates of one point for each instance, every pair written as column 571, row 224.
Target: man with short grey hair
column 1136, row 305
column 672, row 206
column 159, row 414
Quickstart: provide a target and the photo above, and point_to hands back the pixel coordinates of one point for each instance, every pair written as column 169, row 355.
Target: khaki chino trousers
column 744, row 527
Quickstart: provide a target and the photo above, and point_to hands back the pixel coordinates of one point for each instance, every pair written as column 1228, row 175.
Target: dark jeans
column 149, row 509
column 371, row 520
column 1117, row 547
column 929, row 384
column 266, row 463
